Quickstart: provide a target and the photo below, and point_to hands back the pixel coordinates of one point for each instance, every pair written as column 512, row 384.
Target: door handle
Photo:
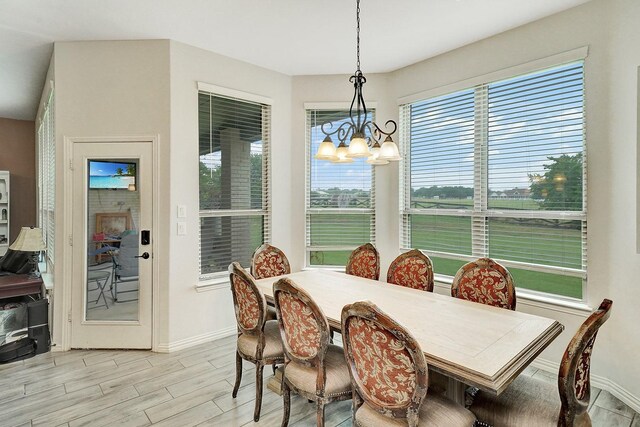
column 145, row 255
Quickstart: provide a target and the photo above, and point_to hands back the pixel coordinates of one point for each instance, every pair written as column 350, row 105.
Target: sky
column 105, row 168
column 529, row 118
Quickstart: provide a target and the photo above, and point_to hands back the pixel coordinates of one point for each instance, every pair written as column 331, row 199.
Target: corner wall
column 195, row 315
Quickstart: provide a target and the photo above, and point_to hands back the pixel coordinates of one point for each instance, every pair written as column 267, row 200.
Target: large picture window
column 498, row 170
column 233, row 153
column 340, row 206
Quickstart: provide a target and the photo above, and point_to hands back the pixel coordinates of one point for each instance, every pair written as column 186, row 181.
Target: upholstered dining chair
column 258, row 338
column 364, row 261
column 528, row 401
column 485, row 281
column 412, row 269
column 314, row 368
column 389, row 374
column 269, row 261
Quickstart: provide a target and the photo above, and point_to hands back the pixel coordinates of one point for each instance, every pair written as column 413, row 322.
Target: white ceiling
column 294, row 37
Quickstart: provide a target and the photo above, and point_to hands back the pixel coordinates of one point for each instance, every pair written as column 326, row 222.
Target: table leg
column 456, row 391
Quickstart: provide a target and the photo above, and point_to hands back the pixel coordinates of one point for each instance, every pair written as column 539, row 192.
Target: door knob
column 145, row 255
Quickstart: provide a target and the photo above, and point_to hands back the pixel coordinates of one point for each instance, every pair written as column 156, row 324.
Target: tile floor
column 186, row 388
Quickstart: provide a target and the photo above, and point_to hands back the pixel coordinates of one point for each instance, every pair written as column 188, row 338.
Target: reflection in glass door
column 113, row 219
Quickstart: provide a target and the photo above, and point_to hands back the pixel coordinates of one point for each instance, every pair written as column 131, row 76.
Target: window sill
column 213, row 284
column 532, row 299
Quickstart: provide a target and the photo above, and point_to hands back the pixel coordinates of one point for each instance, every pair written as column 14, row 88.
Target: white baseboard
column 598, row 381
column 193, row 341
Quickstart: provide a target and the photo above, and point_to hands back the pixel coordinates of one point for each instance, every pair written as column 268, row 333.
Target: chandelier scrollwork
column 379, row 147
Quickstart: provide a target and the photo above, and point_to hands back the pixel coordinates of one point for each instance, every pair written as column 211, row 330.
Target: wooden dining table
column 470, row 343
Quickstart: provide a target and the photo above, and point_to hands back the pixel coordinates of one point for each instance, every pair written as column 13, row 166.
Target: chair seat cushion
column 338, row 381
column 248, row 344
column 527, row 402
column 436, row 410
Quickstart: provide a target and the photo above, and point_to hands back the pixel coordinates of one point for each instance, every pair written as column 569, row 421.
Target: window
column 498, row 170
column 340, row 207
column 234, row 136
column 47, row 178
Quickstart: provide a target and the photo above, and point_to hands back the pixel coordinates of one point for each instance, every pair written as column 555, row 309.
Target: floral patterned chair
column 412, row 269
column 314, row 368
column 364, row 261
column 258, row 338
column 389, row 374
column 485, row 281
column 269, row 261
column 535, row 402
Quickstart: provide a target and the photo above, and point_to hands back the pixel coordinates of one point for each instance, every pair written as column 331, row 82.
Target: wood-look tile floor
column 186, row 388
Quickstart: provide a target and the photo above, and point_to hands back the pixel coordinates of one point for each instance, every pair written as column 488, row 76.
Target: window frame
column 265, row 212
column 309, row 211
column 46, row 161
column 480, row 214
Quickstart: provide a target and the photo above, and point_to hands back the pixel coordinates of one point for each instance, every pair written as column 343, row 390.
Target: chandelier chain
column 358, row 35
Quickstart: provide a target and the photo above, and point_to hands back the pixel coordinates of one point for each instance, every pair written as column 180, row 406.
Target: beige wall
column 111, row 89
column 194, row 314
column 18, row 148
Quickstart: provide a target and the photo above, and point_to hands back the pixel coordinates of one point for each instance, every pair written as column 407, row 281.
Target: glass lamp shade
column 375, row 152
column 342, row 154
column 326, row 150
column 29, row 240
column 389, row 151
column 358, row 146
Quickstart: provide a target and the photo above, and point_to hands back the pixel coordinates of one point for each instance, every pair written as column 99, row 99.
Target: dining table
column 470, row 344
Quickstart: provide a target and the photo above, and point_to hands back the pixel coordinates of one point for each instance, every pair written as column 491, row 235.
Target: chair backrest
column 126, row 255
column 387, row 367
column 364, row 261
column 303, row 326
column 485, row 281
column 412, row 269
column 574, row 382
column 269, row 261
column 249, row 303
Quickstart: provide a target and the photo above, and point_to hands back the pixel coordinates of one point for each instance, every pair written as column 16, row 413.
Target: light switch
column 182, row 211
column 182, row 228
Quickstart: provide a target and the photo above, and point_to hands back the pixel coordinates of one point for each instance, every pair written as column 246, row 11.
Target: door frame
column 63, row 289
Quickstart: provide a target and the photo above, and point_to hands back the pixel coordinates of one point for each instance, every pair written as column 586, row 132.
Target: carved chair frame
column 271, row 249
column 413, row 253
column 489, row 264
column 367, row 247
column 410, row 411
column 286, row 285
column 235, row 269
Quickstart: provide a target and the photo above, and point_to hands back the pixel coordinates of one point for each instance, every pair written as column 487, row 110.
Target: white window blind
column 340, row 205
column 499, row 170
column 234, row 137
column 46, row 177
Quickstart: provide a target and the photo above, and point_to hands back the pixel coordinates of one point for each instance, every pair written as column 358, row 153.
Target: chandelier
column 355, row 129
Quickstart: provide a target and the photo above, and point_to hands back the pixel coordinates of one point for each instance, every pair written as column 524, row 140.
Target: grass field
column 556, row 243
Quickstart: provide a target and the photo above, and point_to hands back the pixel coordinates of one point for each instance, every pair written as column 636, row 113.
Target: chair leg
column 274, row 367
column 320, row 413
column 236, row 386
column 286, row 396
column 256, row 412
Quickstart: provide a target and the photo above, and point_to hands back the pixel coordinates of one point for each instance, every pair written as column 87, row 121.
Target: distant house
column 513, row 194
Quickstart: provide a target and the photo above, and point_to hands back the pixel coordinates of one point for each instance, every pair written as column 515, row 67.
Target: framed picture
column 113, row 224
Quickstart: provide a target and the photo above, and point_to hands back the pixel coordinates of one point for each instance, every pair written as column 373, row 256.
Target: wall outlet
column 182, row 211
column 182, row 228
